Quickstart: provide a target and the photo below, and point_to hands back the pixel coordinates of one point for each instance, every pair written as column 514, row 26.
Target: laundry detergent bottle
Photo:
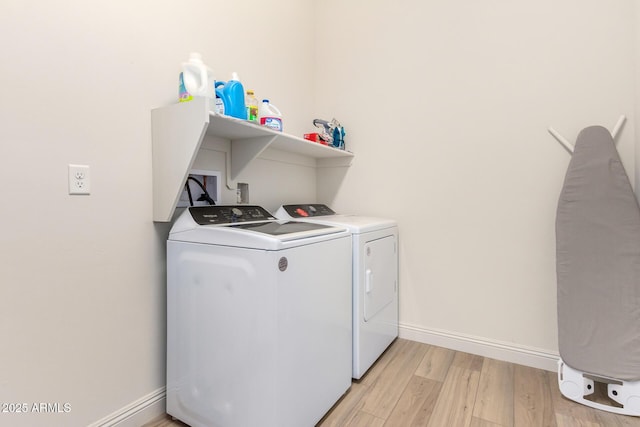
column 232, row 95
column 196, row 79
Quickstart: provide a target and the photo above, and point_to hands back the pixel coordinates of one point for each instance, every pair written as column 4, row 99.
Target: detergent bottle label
column 183, row 94
column 219, row 109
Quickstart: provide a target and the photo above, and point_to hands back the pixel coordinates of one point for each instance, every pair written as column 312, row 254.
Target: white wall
column 637, row 97
column 82, row 306
column 274, row 177
column 446, row 106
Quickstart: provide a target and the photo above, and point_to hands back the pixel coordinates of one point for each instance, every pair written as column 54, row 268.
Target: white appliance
column 375, row 278
column 258, row 325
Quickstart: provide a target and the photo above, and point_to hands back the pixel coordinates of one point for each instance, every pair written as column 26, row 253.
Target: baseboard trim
column 137, row 413
column 493, row 349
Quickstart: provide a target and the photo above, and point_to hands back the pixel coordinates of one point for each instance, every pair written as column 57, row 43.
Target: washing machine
column 258, row 318
column 375, row 278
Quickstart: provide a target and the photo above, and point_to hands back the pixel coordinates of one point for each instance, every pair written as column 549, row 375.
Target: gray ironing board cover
column 598, row 262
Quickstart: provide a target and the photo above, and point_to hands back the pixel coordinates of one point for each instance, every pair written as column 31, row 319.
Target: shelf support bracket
column 243, row 151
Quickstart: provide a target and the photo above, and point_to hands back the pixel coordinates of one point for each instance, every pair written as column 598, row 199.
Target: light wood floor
column 414, row 384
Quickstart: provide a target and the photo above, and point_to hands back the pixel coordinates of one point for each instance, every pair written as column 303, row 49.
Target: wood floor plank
column 415, row 406
column 379, row 366
column 455, row 404
column 435, row 363
column 479, row 422
column 364, row 419
column 563, row 420
column 533, row 406
column 494, row 401
column 415, row 384
column 165, row 421
column 345, row 408
column 469, row 361
column 610, row 419
column 389, row 385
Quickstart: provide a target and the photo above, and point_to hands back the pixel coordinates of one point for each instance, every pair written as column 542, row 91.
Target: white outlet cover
column 79, row 179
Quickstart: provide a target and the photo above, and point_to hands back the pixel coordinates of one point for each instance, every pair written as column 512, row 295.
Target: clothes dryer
column 375, row 278
column 258, row 329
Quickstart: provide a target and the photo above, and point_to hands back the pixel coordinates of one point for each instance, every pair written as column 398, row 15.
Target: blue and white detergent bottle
column 196, row 79
column 232, row 95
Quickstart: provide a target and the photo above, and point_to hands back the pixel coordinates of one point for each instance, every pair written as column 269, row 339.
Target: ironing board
column 598, row 273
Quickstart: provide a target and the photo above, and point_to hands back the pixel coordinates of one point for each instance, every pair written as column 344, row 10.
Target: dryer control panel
column 208, row 215
column 308, row 210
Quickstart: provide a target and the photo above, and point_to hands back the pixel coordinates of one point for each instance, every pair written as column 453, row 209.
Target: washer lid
column 247, row 227
column 321, row 214
column 286, row 230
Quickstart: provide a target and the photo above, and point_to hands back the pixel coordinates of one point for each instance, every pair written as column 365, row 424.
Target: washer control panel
column 309, row 210
column 208, row 215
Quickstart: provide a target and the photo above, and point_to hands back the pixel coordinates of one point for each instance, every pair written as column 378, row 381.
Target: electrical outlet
column 79, row 179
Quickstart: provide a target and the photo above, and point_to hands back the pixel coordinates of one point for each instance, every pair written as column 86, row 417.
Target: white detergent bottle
column 270, row 116
column 196, row 79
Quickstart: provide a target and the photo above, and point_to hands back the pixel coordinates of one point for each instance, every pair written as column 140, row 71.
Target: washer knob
column 236, row 211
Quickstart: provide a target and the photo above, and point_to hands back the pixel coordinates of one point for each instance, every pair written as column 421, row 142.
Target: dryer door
column 380, row 275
